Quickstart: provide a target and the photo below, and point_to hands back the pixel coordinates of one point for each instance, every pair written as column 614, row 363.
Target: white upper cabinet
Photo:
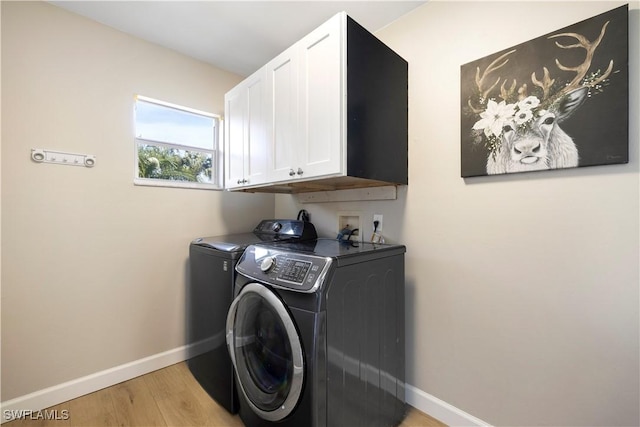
column 234, row 131
column 330, row 112
column 283, row 127
column 305, row 120
column 321, row 100
column 246, row 137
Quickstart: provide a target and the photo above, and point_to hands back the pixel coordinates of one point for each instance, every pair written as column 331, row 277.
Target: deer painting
column 520, row 124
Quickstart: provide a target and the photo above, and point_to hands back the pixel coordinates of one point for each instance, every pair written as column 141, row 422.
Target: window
column 176, row 146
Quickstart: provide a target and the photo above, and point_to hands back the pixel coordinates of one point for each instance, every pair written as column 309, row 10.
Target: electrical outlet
column 377, row 217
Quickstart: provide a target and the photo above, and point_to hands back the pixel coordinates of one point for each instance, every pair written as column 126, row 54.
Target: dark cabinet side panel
column 377, row 108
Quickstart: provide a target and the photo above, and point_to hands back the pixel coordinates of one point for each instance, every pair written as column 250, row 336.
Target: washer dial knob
column 267, row 264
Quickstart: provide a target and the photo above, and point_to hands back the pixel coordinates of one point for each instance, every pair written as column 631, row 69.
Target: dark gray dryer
column 212, row 277
column 316, row 334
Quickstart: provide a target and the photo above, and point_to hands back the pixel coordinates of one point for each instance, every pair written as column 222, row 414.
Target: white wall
column 94, row 267
column 522, row 290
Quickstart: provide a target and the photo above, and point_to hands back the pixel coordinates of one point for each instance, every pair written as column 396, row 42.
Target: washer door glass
column 266, row 352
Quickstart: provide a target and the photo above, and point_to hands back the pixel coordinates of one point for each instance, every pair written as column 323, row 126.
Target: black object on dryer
column 212, row 277
column 316, row 334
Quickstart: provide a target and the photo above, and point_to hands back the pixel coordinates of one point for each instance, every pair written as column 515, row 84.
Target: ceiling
column 238, row 36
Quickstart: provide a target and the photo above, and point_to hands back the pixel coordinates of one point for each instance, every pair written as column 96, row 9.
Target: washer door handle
column 231, row 320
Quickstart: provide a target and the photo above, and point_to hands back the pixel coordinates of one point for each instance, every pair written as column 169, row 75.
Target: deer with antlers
column 523, row 131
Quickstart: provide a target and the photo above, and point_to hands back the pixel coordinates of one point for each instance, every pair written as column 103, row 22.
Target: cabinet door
column 257, row 144
column 234, row 136
column 282, row 80
column 322, row 97
column 246, row 143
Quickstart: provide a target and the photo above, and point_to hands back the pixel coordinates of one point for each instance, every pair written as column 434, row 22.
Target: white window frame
column 216, row 153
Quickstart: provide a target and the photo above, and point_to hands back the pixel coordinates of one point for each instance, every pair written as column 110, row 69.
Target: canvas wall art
column 558, row 101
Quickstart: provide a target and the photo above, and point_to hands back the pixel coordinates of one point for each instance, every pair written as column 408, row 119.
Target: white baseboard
column 439, row 409
column 54, row 395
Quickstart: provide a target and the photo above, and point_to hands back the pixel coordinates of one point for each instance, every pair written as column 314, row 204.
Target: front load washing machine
column 212, row 277
column 316, row 334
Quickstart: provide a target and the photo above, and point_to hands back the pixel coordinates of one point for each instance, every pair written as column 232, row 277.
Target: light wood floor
column 167, row 397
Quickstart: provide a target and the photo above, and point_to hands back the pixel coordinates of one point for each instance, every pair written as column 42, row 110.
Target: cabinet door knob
column 245, row 181
column 300, row 171
column 239, row 181
column 291, row 172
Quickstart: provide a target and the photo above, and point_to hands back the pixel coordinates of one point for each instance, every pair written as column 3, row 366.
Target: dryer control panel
column 284, row 269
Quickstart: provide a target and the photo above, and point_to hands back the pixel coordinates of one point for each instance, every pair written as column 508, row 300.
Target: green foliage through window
column 173, row 164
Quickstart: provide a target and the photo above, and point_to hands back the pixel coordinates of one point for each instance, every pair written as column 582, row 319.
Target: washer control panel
column 290, row 270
